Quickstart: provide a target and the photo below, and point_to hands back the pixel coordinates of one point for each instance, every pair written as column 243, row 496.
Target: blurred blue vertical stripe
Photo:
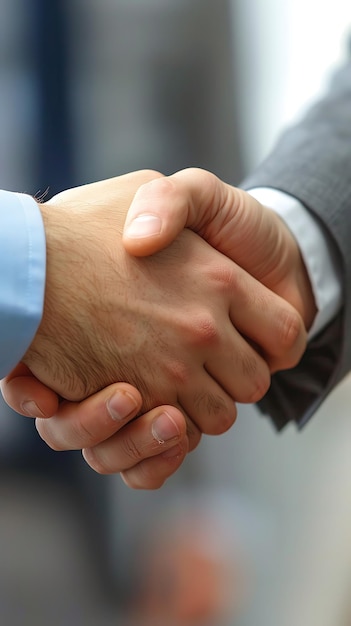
column 51, row 62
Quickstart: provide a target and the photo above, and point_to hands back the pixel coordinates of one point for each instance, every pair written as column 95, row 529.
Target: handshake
column 183, row 287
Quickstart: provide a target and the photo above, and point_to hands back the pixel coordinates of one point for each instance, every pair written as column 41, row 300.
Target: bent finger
column 151, row 434
column 24, row 393
column 152, row 473
column 78, row 425
column 268, row 322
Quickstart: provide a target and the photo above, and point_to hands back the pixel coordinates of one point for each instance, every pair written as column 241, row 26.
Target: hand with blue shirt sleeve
column 159, row 433
column 207, row 406
column 145, row 451
column 22, row 272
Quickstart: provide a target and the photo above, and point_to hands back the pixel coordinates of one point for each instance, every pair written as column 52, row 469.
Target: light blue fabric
column 22, row 276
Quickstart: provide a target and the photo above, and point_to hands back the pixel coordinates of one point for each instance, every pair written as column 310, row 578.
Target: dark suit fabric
column 312, row 162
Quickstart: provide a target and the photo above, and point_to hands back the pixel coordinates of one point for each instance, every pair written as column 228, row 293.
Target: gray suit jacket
column 312, row 161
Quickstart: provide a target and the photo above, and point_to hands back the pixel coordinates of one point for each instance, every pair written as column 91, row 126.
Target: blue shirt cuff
column 22, row 275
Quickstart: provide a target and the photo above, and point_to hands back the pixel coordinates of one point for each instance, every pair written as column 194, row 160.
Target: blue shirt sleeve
column 22, row 276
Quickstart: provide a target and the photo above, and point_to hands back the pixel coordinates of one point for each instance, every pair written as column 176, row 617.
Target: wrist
column 309, row 308
column 290, row 277
column 319, row 274
column 50, row 349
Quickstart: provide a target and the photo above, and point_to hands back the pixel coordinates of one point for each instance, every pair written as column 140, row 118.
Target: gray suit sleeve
column 312, row 161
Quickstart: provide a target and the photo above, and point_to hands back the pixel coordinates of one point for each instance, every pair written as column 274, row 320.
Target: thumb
column 229, row 219
column 158, row 213
column 162, row 208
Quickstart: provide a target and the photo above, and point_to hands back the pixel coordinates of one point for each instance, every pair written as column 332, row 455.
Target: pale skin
column 233, row 222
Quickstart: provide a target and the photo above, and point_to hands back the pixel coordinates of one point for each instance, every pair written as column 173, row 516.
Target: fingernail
column 164, row 428
column 31, row 409
column 144, row 226
column 121, row 405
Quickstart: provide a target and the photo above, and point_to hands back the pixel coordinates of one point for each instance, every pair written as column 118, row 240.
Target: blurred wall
column 283, row 55
column 167, row 84
column 154, row 88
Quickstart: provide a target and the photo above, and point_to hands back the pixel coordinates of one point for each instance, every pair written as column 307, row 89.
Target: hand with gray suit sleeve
column 312, row 163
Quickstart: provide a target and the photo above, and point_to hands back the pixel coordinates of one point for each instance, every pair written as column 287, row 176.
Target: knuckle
column 217, row 416
column 150, row 174
column 261, row 385
column 256, row 372
column 225, row 276
column 160, row 185
column 153, row 472
column 292, row 330
column 226, row 279
column 178, row 372
column 46, row 434
column 131, row 450
column 204, row 330
column 96, row 462
column 82, row 435
column 224, row 420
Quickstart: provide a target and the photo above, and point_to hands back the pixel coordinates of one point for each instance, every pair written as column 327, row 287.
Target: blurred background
column 255, row 527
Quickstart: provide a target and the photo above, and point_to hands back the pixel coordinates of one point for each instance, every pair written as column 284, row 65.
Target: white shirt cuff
column 317, row 250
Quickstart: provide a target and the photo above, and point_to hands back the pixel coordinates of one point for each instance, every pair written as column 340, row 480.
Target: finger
column 151, row 434
column 27, row 395
column 280, row 338
column 236, row 372
column 238, row 347
column 78, row 425
column 209, row 406
column 153, row 472
column 242, row 372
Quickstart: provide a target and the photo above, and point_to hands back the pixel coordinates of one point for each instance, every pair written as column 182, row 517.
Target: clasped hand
column 196, row 327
